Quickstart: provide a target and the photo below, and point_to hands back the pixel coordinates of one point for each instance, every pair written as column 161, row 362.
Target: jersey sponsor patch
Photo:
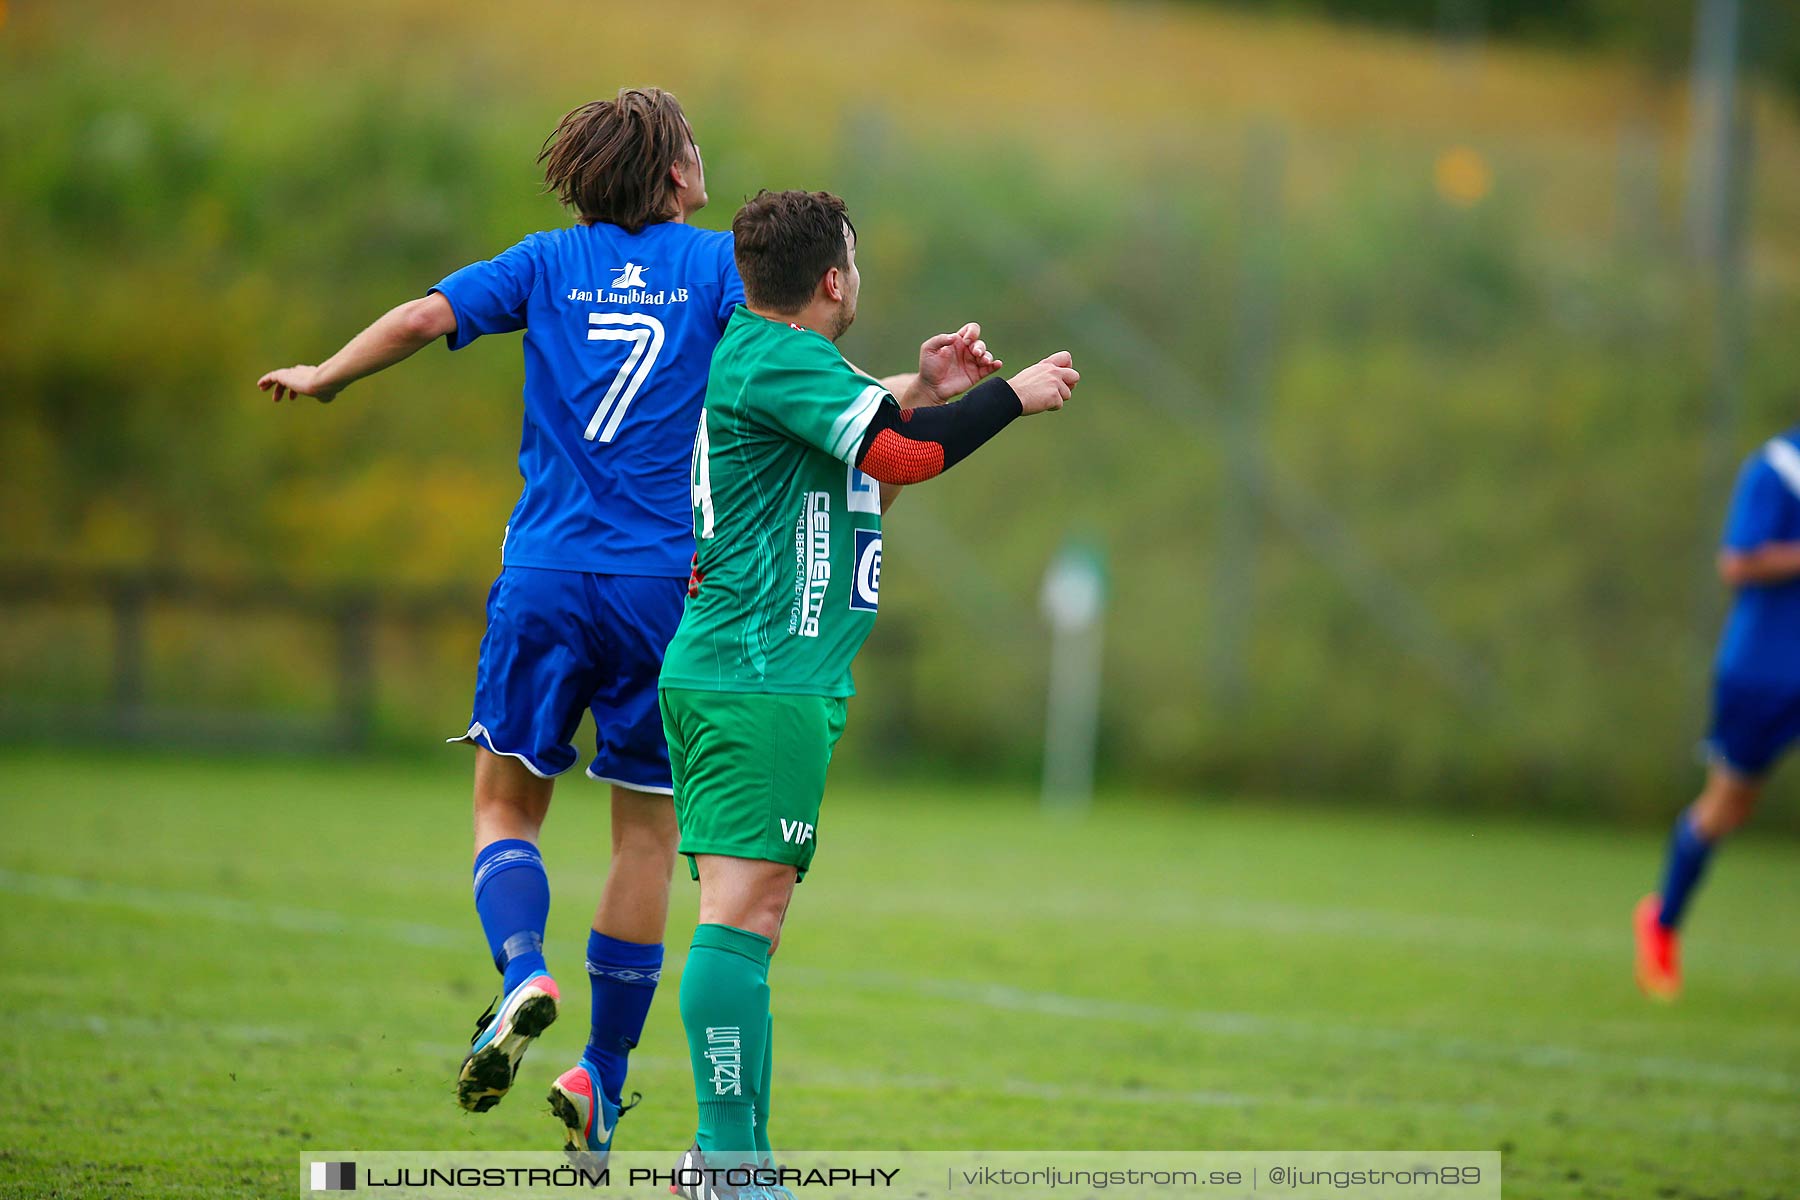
column 812, row 564
column 861, row 493
column 865, row 580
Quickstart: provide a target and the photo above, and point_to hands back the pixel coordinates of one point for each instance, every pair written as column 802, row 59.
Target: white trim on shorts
column 628, row 786
column 478, row 735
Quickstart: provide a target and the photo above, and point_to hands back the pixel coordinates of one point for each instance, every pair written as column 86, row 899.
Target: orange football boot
column 1658, row 951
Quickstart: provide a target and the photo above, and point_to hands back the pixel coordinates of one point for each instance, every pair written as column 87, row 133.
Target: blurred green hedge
column 1474, row 478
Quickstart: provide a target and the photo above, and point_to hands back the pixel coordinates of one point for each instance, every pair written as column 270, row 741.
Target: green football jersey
column 788, row 530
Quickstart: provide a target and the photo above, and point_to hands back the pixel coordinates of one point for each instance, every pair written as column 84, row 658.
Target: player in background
column 621, row 313
column 798, row 453
column 1756, row 694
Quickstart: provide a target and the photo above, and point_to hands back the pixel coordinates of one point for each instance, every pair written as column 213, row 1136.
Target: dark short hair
column 609, row 160
column 785, row 242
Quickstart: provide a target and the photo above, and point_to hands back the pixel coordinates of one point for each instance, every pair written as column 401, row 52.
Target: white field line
column 1355, row 1038
column 286, row 917
column 1055, row 1093
column 145, row 1029
column 999, row 997
column 875, row 1083
column 1715, row 954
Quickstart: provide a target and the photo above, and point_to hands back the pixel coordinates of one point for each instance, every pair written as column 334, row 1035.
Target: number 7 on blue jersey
column 645, row 333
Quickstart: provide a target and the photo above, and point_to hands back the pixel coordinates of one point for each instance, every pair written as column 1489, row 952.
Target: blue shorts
column 1753, row 722
column 561, row 641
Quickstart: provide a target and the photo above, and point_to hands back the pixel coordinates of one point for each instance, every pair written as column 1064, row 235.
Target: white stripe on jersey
column 848, row 429
column 1781, row 455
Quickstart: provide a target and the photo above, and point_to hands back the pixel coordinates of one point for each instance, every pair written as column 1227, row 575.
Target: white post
column 1714, row 118
column 1074, row 605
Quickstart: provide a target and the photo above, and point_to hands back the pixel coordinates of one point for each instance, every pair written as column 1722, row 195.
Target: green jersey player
column 797, row 455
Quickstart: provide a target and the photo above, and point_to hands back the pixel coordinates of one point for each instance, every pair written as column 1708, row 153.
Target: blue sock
column 623, row 975
column 1688, row 852
column 512, row 898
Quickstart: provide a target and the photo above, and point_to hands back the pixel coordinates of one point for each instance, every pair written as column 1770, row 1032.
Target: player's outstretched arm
column 1771, row 562
column 912, row 445
column 397, row 334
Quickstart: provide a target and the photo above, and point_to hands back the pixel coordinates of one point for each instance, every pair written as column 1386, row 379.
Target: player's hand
column 952, row 363
column 695, row 578
column 297, row 382
column 1045, row 385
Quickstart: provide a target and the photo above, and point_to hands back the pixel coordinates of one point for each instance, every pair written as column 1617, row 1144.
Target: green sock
column 765, row 1154
column 725, row 1007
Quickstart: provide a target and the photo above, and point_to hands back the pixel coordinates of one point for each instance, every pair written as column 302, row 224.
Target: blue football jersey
column 1762, row 634
column 619, row 335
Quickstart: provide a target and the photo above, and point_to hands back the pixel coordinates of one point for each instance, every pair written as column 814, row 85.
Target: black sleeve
column 912, row 445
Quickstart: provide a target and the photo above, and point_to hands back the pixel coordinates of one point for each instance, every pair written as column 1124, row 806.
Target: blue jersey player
column 620, row 313
column 1756, row 693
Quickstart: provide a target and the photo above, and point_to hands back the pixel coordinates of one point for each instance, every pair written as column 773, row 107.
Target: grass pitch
column 208, row 967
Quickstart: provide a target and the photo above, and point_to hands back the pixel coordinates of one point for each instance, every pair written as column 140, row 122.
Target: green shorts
column 750, row 771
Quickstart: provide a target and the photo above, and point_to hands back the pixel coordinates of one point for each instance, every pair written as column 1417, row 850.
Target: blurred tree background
column 1399, row 421
column 1660, row 32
